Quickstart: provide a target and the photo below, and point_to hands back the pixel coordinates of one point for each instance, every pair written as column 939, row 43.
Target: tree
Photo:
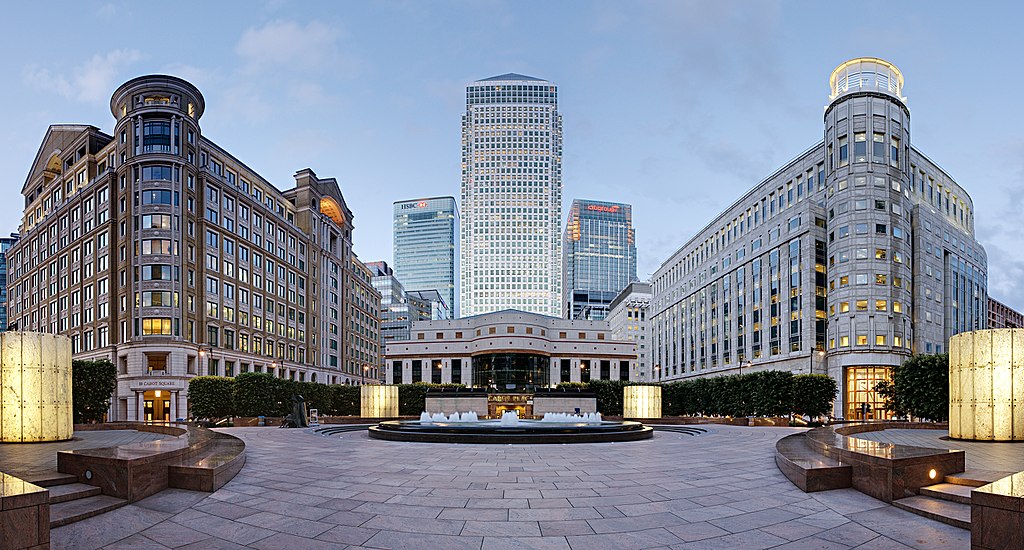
column 919, row 387
column 92, row 384
column 813, row 394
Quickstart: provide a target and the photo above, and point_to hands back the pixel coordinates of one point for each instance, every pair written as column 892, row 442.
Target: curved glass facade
column 511, row 371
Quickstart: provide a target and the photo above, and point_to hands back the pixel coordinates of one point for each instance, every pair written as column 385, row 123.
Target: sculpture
column 297, row 419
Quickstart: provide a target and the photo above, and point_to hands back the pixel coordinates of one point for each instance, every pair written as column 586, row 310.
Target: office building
column 1001, row 315
column 511, row 197
column 426, row 242
column 599, row 257
column 5, row 245
column 628, row 319
column 844, row 261
column 433, row 303
column 509, row 350
column 159, row 250
column 398, row 309
column 363, row 353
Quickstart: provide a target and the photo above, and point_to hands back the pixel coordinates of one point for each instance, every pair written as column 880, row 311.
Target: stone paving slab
column 717, row 490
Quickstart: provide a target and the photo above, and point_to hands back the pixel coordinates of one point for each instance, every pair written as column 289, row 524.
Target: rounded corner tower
column 866, row 150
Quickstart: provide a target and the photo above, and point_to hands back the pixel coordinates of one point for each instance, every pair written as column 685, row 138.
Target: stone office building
column 845, row 261
column 156, row 248
column 509, row 351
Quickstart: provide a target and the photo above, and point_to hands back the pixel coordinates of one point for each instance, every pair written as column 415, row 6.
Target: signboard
column 314, row 417
column 602, row 208
column 145, row 385
column 410, row 205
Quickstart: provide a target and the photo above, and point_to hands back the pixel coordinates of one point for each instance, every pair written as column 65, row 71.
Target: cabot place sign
column 600, row 208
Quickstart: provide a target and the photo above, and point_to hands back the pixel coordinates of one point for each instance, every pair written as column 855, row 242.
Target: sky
column 677, row 108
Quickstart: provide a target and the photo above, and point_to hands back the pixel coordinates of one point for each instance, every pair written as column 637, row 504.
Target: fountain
column 468, row 428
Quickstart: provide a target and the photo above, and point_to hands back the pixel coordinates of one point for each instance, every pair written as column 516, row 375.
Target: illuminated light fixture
column 641, row 402
column 986, row 385
column 378, row 401
column 932, row 473
column 157, row 393
column 35, row 387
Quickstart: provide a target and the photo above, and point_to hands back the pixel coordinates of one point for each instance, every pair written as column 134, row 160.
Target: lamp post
column 750, row 364
column 821, row 356
column 366, row 368
column 203, row 351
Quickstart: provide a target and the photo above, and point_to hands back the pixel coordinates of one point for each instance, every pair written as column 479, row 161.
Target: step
column 71, row 511
column 976, row 478
column 72, row 491
column 49, row 479
column 949, row 491
column 950, row 513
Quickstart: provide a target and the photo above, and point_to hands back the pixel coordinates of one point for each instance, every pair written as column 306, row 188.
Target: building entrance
column 862, row 401
column 156, row 406
column 498, row 403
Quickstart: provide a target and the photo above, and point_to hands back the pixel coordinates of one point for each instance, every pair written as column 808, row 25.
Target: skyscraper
column 426, row 248
column 511, row 196
column 600, row 257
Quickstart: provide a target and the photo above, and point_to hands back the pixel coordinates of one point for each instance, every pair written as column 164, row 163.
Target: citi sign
column 600, row 208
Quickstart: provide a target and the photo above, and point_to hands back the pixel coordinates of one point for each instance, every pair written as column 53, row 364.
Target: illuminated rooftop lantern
column 866, row 74
column 986, row 385
column 35, row 387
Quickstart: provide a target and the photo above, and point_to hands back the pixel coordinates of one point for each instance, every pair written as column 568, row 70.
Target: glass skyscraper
column 426, row 237
column 511, row 196
column 600, row 257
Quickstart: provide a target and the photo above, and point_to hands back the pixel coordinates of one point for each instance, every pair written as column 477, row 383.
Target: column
column 140, row 406
column 174, row 405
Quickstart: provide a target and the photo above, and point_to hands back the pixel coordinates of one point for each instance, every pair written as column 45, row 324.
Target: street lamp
column 821, row 356
column 750, row 364
column 366, row 368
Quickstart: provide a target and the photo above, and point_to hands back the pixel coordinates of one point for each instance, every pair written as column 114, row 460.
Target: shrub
column 770, row 392
column 260, row 394
column 92, row 384
column 345, row 400
column 919, row 387
column 211, row 396
column 813, row 394
column 412, row 398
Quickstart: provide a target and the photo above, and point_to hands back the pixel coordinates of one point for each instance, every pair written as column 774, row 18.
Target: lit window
column 880, row 305
column 862, row 340
column 879, row 340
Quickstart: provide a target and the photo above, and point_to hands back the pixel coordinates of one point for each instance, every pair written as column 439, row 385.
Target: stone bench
column 808, row 469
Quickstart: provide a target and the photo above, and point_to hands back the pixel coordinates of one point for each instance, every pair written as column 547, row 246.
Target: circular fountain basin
column 525, row 431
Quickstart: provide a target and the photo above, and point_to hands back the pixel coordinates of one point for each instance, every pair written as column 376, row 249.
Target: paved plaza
column 980, row 455
column 29, row 459
column 717, row 490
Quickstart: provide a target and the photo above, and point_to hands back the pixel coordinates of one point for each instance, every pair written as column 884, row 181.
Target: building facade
column 845, row 261
column 599, row 257
column 1001, row 315
column 398, row 309
column 509, row 351
column 628, row 319
column 426, row 243
column 433, row 303
column 5, row 245
column 511, row 197
column 157, row 249
column 363, row 353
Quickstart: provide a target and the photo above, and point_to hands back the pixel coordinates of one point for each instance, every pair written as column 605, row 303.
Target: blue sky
column 675, row 107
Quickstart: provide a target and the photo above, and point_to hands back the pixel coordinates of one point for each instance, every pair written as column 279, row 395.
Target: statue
column 297, row 419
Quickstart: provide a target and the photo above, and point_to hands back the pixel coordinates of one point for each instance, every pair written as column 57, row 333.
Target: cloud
column 91, row 81
column 290, row 46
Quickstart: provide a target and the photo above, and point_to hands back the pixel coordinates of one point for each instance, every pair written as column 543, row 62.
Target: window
column 862, row 340
column 878, row 147
column 844, row 341
column 860, row 147
column 881, row 279
column 897, row 307
column 156, row 272
column 156, row 136
column 880, row 253
column 844, row 151
column 157, row 172
column 156, row 197
column 156, row 326
column 880, row 305
column 894, row 151
column 844, row 307
column 156, row 221
column 862, row 305
column 157, row 246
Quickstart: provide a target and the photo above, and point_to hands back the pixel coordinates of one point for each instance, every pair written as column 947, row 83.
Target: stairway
column 71, row 501
column 949, row 501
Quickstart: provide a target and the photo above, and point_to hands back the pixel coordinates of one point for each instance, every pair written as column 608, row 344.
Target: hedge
column 211, row 396
column 412, row 398
column 92, row 384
